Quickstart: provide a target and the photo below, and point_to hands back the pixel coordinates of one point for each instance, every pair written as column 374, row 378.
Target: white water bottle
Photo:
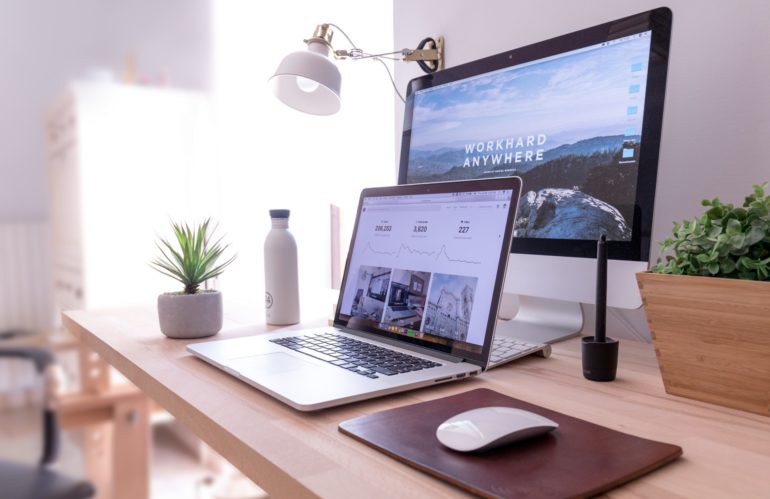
column 281, row 276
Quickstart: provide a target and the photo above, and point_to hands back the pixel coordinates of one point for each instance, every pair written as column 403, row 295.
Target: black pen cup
column 600, row 358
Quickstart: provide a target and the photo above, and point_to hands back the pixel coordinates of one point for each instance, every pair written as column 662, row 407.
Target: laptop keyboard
column 507, row 349
column 356, row 356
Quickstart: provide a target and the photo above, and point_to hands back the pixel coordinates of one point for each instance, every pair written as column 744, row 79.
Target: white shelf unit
column 123, row 161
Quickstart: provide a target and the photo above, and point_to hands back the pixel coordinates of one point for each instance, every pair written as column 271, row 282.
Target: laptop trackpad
column 270, row 363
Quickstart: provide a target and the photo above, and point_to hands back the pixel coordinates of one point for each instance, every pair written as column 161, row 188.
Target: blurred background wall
column 45, row 45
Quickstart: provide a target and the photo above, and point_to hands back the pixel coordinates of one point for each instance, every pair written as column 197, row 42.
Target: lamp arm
column 429, row 59
column 356, row 53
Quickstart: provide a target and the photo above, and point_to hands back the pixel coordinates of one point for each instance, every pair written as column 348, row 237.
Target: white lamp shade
column 309, row 82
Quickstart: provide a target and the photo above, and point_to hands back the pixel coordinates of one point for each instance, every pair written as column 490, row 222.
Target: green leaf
column 727, row 266
column 743, row 264
column 755, row 235
column 733, row 227
column 715, row 213
column 737, row 242
column 714, row 231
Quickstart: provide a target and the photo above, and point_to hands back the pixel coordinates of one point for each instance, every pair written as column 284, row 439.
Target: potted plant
column 708, row 305
column 192, row 312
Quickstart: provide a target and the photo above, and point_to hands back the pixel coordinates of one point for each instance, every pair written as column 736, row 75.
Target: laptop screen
column 426, row 263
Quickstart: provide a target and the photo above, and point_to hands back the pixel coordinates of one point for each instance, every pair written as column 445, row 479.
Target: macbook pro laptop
column 417, row 305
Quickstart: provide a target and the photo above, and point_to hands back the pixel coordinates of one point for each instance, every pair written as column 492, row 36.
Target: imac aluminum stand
column 542, row 320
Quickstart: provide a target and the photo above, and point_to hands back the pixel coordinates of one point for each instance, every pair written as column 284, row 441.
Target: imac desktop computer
column 578, row 118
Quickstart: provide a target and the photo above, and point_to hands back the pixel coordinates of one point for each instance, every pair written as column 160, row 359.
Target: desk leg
column 131, row 449
column 94, row 371
column 97, row 454
column 117, row 443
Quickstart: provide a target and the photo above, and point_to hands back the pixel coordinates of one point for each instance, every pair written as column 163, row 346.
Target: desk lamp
column 310, row 82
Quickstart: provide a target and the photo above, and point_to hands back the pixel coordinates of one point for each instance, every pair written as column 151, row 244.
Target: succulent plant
column 194, row 260
column 726, row 241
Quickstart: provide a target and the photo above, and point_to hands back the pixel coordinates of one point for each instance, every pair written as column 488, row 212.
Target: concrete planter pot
column 190, row 316
column 711, row 337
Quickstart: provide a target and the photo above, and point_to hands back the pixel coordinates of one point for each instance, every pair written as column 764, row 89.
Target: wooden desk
column 293, row 454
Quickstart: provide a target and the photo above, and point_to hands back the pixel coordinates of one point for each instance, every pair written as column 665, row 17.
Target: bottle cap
column 279, row 213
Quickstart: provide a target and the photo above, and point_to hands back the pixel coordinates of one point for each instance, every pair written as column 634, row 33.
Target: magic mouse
column 490, row 427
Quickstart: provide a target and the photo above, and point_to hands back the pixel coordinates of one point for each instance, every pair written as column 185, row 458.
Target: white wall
column 272, row 156
column 717, row 117
column 46, row 43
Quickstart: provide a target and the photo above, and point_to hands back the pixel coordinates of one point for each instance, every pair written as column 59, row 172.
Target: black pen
column 601, row 290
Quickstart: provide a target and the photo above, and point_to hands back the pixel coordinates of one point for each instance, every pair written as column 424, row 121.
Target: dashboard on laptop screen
column 424, row 266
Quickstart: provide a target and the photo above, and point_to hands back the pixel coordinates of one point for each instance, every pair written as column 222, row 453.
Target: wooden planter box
column 711, row 338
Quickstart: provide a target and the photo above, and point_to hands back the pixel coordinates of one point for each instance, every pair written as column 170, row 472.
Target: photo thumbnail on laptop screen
column 425, row 266
column 569, row 125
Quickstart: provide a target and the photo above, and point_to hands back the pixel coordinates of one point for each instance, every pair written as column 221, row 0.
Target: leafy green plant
column 726, row 241
column 194, row 260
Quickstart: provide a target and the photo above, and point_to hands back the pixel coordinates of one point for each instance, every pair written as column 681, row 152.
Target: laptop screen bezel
column 454, row 348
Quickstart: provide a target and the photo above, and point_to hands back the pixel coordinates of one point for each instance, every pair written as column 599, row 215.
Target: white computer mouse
column 490, row 427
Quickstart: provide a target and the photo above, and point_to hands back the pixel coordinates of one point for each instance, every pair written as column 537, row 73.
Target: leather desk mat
column 579, row 459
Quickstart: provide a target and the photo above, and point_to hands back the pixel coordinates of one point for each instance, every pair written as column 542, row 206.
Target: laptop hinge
column 401, row 344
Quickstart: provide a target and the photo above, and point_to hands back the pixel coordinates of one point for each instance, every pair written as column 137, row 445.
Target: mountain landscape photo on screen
column 569, row 126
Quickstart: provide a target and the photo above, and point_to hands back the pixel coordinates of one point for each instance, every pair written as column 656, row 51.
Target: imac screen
column 571, row 123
